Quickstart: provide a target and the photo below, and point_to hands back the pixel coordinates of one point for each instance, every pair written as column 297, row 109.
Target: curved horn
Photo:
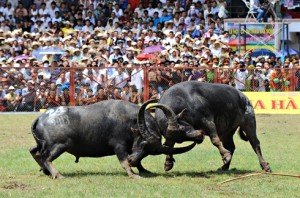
column 169, row 150
column 172, row 118
column 141, row 121
column 179, row 115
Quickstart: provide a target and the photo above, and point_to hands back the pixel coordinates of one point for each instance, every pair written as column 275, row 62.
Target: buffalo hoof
column 58, row 176
column 222, row 170
column 169, row 165
column 45, row 171
column 226, row 158
column 265, row 166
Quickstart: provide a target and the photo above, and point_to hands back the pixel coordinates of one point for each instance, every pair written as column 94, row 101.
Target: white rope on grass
column 260, row 173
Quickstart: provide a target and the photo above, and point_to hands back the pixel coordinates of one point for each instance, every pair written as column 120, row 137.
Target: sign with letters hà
column 275, row 102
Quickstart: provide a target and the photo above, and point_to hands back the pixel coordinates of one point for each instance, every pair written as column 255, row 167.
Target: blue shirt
column 163, row 19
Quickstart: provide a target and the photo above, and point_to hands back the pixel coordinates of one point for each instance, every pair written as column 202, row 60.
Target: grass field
column 194, row 173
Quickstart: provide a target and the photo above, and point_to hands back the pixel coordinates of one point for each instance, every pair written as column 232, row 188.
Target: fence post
column 72, row 86
column 293, row 80
column 146, row 84
column 216, row 74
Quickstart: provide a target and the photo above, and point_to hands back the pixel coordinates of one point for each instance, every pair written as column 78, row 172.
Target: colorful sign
column 257, row 36
column 275, row 102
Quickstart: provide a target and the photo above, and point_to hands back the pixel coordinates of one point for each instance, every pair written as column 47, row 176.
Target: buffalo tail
column 41, row 143
column 243, row 135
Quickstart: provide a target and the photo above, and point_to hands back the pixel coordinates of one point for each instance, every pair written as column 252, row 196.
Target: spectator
column 276, row 79
column 137, row 77
column 102, row 42
column 240, row 76
column 257, row 7
column 12, row 99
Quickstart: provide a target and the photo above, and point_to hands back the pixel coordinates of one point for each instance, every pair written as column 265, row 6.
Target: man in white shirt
column 118, row 10
column 43, row 11
column 139, row 10
column 137, row 78
column 115, row 55
column 57, row 18
column 53, row 8
column 171, row 39
column 88, row 26
column 9, row 10
column 119, row 77
column 240, row 77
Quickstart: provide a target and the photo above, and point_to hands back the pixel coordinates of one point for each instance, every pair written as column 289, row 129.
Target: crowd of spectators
column 102, row 40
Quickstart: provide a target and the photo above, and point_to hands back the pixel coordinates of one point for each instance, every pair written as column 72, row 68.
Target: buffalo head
column 148, row 139
column 177, row 130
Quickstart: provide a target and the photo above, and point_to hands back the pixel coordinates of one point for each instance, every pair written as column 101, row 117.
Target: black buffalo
column 217, row 110
column 111, row 127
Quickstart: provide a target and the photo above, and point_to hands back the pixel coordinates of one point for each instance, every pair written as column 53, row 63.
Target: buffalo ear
column 135, row 132
column 179, row 115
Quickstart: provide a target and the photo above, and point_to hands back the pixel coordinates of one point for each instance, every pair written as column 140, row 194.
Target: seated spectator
column 88, row 98
column 101, row 95
column 52, row 99
column 12, row 99
column 134, row 97
column 65, row 96
column 28, row 99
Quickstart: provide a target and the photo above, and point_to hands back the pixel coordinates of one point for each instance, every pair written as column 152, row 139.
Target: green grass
column 194, row 173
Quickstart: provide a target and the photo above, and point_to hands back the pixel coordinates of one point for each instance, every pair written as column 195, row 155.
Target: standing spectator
column 240, row 76
column 276, row 79
column 137, row 76
column 120, row 78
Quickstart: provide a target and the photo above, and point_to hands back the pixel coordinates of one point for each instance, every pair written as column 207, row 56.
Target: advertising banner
column 275, row 102
column 257, row 36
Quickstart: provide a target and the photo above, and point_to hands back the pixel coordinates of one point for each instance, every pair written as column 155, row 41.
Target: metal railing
column 32, row 89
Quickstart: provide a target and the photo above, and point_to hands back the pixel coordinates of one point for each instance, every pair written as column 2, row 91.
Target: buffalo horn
column 169, row 150
column 142, row 123
column 172, row 118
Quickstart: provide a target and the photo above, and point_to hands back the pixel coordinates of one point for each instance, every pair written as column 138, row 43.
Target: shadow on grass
column 192, row 174
column 90, row 173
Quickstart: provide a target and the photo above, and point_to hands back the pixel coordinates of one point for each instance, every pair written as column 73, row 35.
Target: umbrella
column 153, row 49
column 235, row 42
column 145, row 56
column 51, row 50
column 21, row 57
column 289, row 51
column 262, row 52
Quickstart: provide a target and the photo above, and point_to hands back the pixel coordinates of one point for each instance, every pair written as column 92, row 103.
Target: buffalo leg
column 214, row 138
column 142, row 170
column 55, row 152
column 249, row 127
column 122, row 156
column 229, row 145
column 35, row 152
column 169, row 162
